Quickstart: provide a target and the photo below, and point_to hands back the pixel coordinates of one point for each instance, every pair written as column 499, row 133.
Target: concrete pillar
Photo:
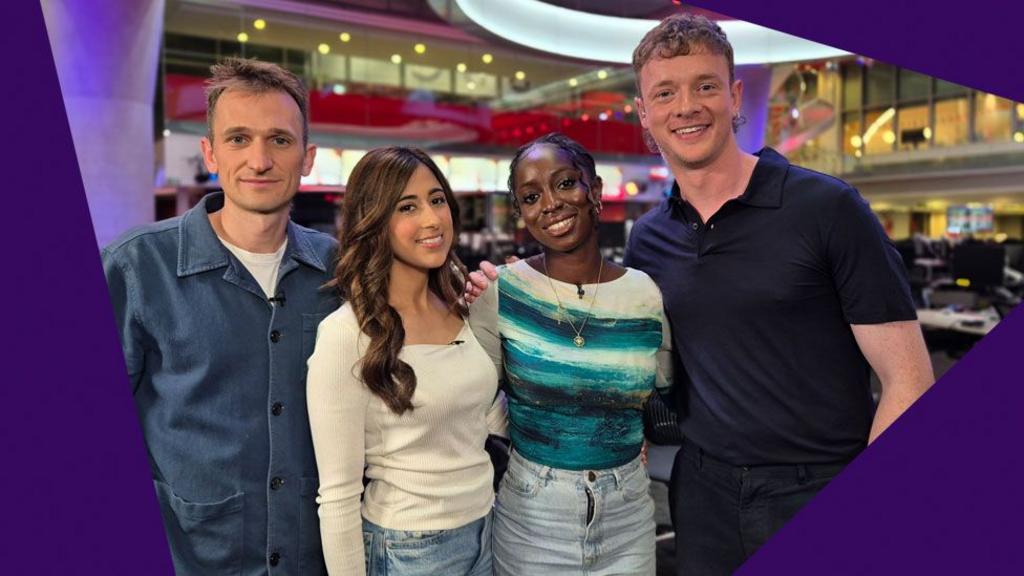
column 106, row 54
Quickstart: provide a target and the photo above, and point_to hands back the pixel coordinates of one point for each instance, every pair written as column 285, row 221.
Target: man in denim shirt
column 218, row 311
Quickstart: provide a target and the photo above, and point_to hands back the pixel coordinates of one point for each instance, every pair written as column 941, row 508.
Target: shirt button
column 276, row 483
column 591, row 476
column 712, row 226
column 277, row 408
column 695, row 225
column 275, row 336
column 275, row 559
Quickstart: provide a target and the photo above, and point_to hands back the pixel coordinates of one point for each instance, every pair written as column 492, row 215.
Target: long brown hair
column 364, row 269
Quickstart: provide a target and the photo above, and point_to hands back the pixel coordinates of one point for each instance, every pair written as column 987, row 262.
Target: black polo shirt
column 760, row 299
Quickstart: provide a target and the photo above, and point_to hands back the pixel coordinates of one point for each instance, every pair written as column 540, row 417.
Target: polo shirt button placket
column 275, row 558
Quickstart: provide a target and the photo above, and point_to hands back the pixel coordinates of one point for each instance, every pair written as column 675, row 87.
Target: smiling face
column 557, row 204
column 420, row 229
column 257, row 150
column 687, row 105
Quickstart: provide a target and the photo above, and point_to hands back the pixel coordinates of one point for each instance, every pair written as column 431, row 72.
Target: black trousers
column 723, row 513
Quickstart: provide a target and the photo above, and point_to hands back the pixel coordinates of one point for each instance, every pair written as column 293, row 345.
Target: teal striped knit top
column 570, row 407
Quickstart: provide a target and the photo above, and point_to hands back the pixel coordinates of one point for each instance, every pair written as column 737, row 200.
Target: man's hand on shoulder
column 479, row 280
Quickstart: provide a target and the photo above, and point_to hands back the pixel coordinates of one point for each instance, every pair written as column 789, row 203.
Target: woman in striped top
column 582, row 343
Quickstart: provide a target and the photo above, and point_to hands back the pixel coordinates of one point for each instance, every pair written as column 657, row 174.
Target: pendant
column 579, row 341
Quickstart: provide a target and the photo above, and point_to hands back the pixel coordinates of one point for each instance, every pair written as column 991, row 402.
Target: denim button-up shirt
column 218, row 374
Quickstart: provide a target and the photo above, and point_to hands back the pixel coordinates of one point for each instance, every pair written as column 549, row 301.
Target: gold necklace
column 578, row 340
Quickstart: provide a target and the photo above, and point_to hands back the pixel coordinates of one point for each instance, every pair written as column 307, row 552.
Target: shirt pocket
column 311, row 555
column 310, row 322
column 205, row 537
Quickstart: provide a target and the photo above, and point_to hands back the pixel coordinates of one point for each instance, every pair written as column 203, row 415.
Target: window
column 852, row 84
column 993, row 118
column 915, row 132
column 879, row 135
column 951, row 122
column 914, row 86
column 880, row 85
column 851, row 133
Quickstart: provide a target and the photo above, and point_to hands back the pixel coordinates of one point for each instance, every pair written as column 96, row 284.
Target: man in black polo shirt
column 782, row 291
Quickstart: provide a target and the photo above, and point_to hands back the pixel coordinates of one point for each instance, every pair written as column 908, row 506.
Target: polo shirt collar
column 200, row 250
column 765, row 187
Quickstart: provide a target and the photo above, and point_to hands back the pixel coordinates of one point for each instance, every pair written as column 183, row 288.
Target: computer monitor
column 969, row 219
column 978, row 265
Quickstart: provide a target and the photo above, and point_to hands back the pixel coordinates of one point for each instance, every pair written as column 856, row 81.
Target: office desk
column 973, row 322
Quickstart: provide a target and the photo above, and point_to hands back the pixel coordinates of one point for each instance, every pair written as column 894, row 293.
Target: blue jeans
column 462, row 551
column 560, row 522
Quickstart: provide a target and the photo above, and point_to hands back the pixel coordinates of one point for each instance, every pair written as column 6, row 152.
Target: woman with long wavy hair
column 399, row 387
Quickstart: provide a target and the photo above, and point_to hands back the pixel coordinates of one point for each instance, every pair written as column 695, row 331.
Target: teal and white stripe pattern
column 570, row 407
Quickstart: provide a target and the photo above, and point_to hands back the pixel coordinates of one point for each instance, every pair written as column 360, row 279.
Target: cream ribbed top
column 428, row 469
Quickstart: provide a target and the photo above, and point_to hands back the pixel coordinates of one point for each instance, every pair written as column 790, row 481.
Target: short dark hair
column 578, row 155
column 257, row 77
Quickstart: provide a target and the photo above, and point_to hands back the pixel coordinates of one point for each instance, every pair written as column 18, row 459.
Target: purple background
column 78, row 498
column 937, row 494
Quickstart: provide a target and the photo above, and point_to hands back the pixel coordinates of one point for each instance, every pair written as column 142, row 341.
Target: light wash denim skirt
column 556, row 522
column 462, row 551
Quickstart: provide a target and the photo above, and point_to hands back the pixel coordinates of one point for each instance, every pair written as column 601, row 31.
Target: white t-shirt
column 263, row 267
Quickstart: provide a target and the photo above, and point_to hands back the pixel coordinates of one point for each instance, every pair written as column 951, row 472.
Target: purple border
column 977, row 43
column 934, row 495
column 78, row 498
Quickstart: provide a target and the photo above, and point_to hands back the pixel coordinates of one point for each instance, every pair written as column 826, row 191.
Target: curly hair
column 363, row 273
column 682, row 35
column 579, row 156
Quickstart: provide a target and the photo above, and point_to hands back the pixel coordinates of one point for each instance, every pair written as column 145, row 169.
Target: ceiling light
column 259, row 24
column 471, row 85
column 461, row 66
column 574, row 82
column 344, row 36
column 323, row 48
column 520, row 75
column 541, row 26
column 396, row 58
column 487, row 58
column 602, row 74
column 420, row 48
column 243, row 37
